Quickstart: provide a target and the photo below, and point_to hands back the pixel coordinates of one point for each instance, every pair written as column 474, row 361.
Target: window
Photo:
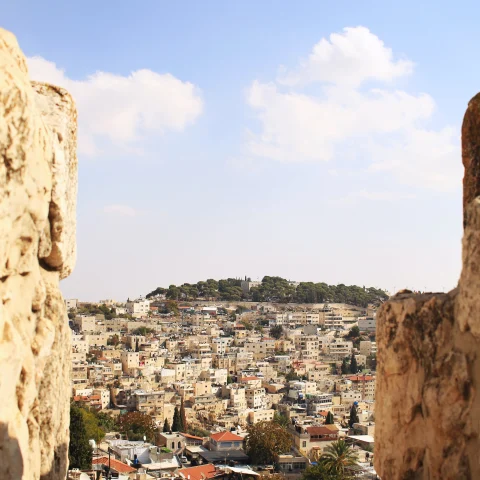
column 304, row 445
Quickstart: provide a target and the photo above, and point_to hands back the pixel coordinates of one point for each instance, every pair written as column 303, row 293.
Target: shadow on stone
column 10, row 449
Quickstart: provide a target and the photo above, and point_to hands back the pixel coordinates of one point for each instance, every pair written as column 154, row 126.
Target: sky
column 318, row 141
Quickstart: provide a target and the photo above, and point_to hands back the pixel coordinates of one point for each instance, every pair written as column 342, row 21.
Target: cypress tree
column 166, row 426
column 176, row 423
column 344, row 366
column 183, row 418
column 353, row 365
column 353, row 416
column 79, row 451
column 329, row 419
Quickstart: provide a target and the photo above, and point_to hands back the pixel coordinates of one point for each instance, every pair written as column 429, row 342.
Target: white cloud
column 385, row 127
column 123, row 109
column 348, row 58
column 123, row 210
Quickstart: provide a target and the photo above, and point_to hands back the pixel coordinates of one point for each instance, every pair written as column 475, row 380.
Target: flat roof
column 219, row 456
column 362, row 438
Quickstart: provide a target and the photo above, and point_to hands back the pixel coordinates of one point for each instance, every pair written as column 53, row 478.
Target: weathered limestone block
column 471, row 153
column 36, row 248
column 428, row 374
column 424, row 390
column 58, row 111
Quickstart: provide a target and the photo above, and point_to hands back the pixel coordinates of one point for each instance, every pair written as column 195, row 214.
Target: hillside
column 273, row 289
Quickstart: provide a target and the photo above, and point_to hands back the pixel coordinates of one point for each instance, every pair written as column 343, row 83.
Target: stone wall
column 38, row 183
column 428, row 375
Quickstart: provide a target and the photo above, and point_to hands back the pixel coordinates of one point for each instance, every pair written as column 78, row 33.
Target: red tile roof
column 323, row 430
column 198, row 473
column 226, row 437
column 115, row 464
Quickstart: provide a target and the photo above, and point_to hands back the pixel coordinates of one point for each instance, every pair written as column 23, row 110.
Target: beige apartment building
column 256, row 398
column 85, row 323
column 368, row 348
column 255, row 416
column 130, row 362
column 149, row 402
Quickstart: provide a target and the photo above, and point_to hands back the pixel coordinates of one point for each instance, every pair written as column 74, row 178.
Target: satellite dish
column 92, row 443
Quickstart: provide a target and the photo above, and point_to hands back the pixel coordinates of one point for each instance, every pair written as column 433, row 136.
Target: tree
column 79, row 451
column 353, row 365
column 353, row 415
column 197, row 431
column 339, row 459
column 114, row 340
column 319, row 472
column 166, row 426
column 265, row 441
column 276, row 331
column 106, row 421
column 281, row 419
column 344, row 366
column 183, row 417
column 92, row 428
column 229, row 379
column 354, row 332
column 329, row 420
column 291, row 375
column 143, row 331
column 136, row 425
column 176, row 423
column 171, row 306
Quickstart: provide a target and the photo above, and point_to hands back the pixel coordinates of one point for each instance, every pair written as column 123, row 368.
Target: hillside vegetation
column 273, row 289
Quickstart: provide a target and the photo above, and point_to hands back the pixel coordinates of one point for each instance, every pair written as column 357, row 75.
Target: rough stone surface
column 58, row 111
column 37, row 247
column 471, row 153
column 428, row 374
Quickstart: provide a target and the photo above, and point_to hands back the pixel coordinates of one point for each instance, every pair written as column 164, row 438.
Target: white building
column 138, row 308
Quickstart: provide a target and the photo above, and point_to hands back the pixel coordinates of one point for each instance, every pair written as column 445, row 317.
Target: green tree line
column 274, row 289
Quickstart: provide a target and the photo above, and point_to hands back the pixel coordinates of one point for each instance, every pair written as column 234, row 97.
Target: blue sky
column 318, row 141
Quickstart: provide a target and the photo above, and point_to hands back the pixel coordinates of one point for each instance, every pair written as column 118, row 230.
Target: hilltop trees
column 275, row 289
column 265, row 441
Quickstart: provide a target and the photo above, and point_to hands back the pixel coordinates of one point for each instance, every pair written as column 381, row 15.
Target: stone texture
column 37, row 248
column 471, row 152
column 428, row 375
column 58, row 111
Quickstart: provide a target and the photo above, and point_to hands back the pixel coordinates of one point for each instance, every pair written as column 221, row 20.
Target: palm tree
column 340, row 459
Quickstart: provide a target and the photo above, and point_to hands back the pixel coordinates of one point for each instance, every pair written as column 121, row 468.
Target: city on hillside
column 184, row 384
